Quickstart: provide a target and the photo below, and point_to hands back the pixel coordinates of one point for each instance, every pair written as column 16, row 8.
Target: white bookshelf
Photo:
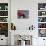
column 42, row 14
column 42, row 19
column 4, row 17
column 8, row 18
column 3, row 10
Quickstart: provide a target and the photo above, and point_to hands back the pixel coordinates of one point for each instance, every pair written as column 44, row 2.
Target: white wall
column 23, row 24
column 32, row 6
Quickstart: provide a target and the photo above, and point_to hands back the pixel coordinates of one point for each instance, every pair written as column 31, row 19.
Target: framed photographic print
column 22, row 14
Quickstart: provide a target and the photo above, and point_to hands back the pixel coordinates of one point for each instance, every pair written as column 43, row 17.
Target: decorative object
column 43, row 13
column 23, row 40
column 43, row 25
column 13, row 27
column 3, row 19
column 4, row 29
column 3, row 6
column 6, row 7
column 0, row 7
column 3, row 13
column 41, row 6
column 41, row 19
column 42, row 32
column 31, row 27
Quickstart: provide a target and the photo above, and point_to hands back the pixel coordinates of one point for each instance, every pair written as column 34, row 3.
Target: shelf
column 42, row 16
column 3, row 10
column 41, row 28
column 41, row 22
column 41, row 10
column 3, row 16
column 3, row 22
